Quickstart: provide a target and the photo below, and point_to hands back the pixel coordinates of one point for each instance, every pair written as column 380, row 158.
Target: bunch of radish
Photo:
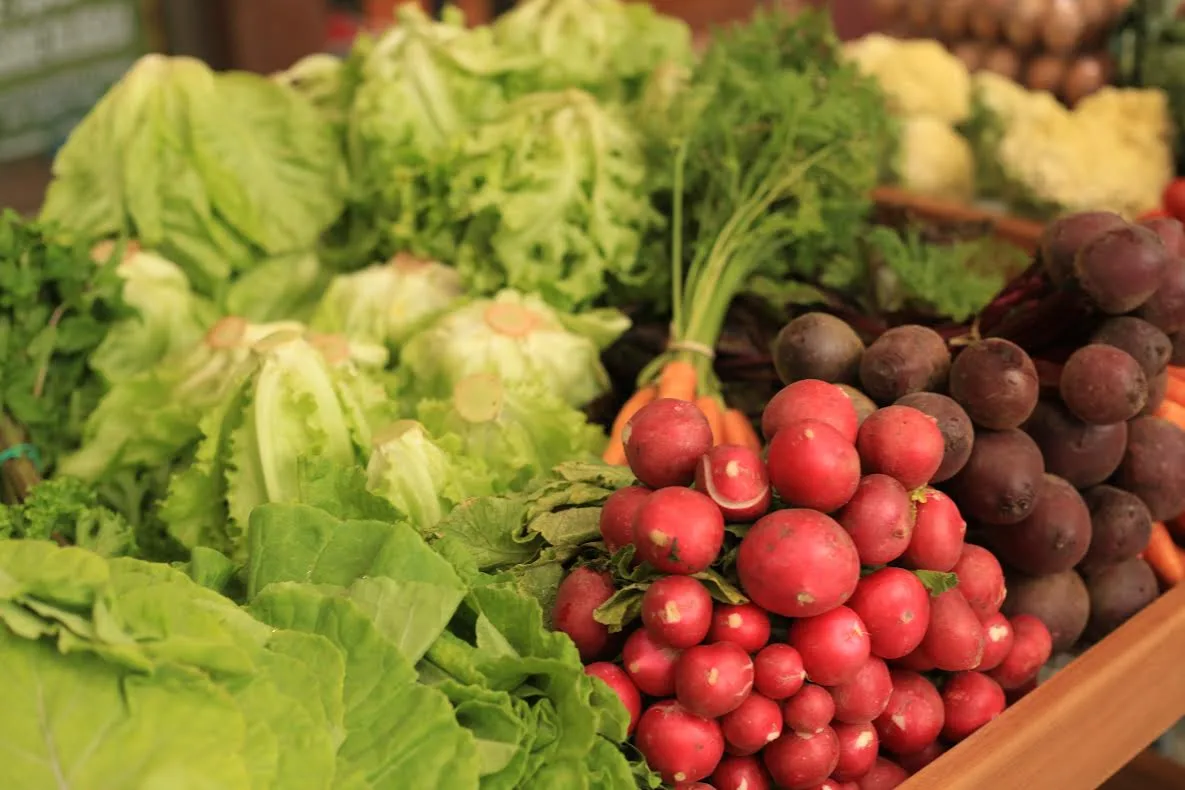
column 858, row 657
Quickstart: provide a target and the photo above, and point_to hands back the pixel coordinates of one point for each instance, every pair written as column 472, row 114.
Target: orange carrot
column 1176, row 371
column 615, row 451
column 678, row 380
column 1173, row 412
column 1175, row 391
column 715, row 414
column 738, row 430
column 1164, row 556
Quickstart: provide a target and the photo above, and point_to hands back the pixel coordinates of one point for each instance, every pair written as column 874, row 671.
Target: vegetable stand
column 1086, row 722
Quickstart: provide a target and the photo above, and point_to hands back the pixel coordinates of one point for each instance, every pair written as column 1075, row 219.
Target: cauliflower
column 1112, row 152
column 918, row 76
column 933, row 160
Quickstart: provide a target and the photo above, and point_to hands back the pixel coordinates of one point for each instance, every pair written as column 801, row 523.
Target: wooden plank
column 1022, row 232
column 1088, row 721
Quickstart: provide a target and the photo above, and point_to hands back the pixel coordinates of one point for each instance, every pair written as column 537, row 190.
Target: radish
column 894, row 606
column 938, row 531
column 797, row 563
column 810, row 399
column 736, row 480
column 679, row 745
column 755, row 722
column 866, row 695
column 879, row 517
column 617, row 680
column 649, row 664
column 693, row 786
column 665, row 440
column 677, row 611
column 847, row 786
column 827, row 784
column 903, row 443
column 954, row 640
column 1031, row 647
column 914, row 716
column 858, row 746
column 678, row 530
column 741, row 773
column 810, row 710
column 970, row 700
column 801, row 760
column 742, row 624
column 885, row 775
column 812, row 465
column 778, row 672
column 981, row 580
column 711, row 680
column 997, row 641
column 834, row 645
column 917, row 661
column 617, row 516
column 578, row 596
column 913, row 763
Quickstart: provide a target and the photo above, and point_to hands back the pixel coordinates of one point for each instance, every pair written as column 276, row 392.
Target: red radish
column 801, row 760
column 810, row 399
column 903, row 443
column 665, row 440
column 834, row 645
column 810, row 710
column 679, row 745
column 894, row 606
column 616, row 678
column 879, row 517
column 578, row 596
column 677, row 611
column 847, row 786
column 617, row 516
column 735, row 478
column 918, row 661
column 916, row 762
column 827, row 784
column 981, row 580
column 678, row 530
column 1031, row 647
column 885, row 775
column 938, row 531
column 741, row 773
column 866, row 695
column 954, row 640
column 742, row 624
column 858, row 747
column 711, row 680
column 755, row 722
column 812, row 465
column 649, row 664
column 797, row 563
column 970, row 700
column 693, row 786
column 997, row 641
column 778, row 672
column 914, row 716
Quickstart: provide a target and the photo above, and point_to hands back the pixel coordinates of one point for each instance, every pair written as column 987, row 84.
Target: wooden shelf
column 1088, row 721
column 1024, row 233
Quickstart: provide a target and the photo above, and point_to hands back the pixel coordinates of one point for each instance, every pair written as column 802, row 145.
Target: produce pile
column 315, row 476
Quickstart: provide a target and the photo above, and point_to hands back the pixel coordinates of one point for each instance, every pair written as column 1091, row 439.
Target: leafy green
column 67, row 511
column 213, row 171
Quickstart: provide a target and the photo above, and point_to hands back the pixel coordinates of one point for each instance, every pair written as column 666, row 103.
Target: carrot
column 678, row 380
column 715, row 414
column 738, row 430
column 1164, row 556
column 1173, row 412
column 1176, row 390
column 615, row 451
column 1177, row 372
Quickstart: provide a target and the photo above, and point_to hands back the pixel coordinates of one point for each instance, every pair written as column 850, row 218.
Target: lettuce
column 213, row 171
column 300, row 399
column 387, row 303
column 516, row 336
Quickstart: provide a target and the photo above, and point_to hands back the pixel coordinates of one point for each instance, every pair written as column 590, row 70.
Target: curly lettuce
column 516, row 336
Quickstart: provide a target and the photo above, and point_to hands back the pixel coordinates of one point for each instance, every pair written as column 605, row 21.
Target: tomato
column 1156, row 213
column 1174, row 199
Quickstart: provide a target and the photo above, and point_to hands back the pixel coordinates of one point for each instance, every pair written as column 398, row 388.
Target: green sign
column 57, row 57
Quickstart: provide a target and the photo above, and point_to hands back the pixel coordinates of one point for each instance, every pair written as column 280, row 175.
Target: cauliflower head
column 918, row 76
column 934, row 160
